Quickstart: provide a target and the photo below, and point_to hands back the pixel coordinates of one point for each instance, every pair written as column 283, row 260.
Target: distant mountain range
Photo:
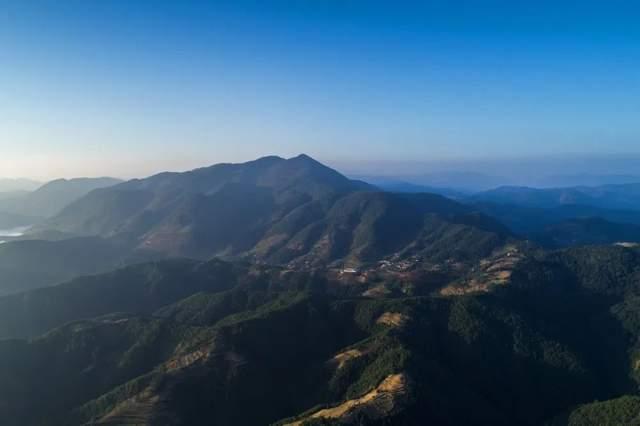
column 29, row 207
column 9, row 221
column 395, row 185
column 12, row 194
column 467, row 182
column 585, row 179
column 455, row 182
column 561, row 217
column 18, row 185
column 625, row 196
column 581, row 215
column 587, row 231
column 52, row 197
column 576, row 225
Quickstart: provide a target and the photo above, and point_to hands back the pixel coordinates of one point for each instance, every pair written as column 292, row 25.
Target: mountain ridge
column 612, row 196
column 285, row 209
column 48, row 199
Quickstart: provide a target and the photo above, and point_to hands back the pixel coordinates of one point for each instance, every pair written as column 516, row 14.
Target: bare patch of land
column 393, row 319
column 383, row 401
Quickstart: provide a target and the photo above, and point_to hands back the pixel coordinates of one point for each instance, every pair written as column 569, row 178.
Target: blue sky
column 128, row 88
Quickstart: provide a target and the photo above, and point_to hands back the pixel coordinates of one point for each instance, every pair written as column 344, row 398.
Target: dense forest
column 199, row 342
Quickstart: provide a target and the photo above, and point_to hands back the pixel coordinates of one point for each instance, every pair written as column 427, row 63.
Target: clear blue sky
column 93, row 87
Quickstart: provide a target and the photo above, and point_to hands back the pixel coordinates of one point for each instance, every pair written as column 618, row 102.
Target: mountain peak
column 304, row 157
column 271, row 185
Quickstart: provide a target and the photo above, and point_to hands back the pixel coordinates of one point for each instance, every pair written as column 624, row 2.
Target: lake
column 14, row 232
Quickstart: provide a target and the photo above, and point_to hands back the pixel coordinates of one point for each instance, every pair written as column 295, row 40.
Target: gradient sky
column 128, row 88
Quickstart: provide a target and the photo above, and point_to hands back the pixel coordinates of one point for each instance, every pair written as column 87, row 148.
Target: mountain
column 292, row 212
column 52, row 197
column 396, row 185
column 534, row 197
column 568, row 225
column 585, row 179
column 621, row 197
column 278, row 211
column 13, row 194
column 452, row 182
column 574, row 232
column 527, row 220
column 10, row 221
column 182, row 342
column 460, row 180
column 625, row 196
column 18, row 185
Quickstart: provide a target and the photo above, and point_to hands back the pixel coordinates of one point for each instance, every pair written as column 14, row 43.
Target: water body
column 14, row 232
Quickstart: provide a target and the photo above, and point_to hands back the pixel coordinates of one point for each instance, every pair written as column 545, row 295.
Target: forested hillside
column 183, row 342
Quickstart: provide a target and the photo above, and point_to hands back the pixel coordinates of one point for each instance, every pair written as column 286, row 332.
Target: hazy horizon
column 548, row 171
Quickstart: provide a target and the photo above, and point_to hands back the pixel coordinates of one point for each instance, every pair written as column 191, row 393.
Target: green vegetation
column 621, row 411
column 206, row 340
